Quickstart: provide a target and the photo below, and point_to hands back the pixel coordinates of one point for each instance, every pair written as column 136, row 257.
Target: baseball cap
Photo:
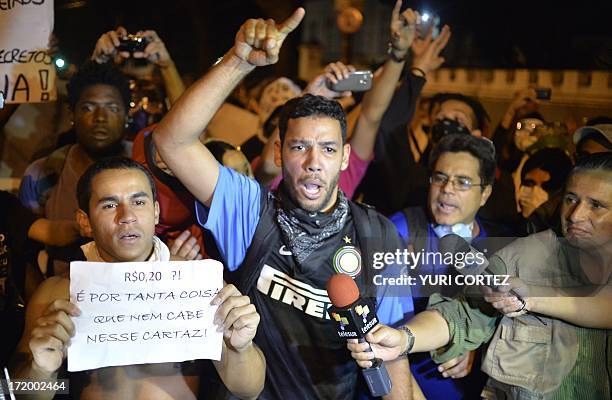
column 276, row 94
column 603, row 129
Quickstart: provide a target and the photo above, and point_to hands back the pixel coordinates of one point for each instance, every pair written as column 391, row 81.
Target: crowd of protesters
column 320, row 165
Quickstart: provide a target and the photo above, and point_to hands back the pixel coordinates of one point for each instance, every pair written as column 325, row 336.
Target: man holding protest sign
column 117, row 207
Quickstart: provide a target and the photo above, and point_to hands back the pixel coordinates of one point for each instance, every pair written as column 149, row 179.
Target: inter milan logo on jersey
column 347, row 259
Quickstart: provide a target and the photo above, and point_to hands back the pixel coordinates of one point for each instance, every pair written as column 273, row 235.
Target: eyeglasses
column 460, row 183
column 528, row 124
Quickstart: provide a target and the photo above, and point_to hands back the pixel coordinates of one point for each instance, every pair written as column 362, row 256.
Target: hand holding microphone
column 357, row 320
column 383, row 341
column 511, row 300
column 501, row 297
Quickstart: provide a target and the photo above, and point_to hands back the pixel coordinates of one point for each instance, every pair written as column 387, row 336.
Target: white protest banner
column 27, row 72
column 144, row 313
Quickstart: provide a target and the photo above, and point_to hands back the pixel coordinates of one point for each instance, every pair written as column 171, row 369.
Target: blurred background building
column 497, row 47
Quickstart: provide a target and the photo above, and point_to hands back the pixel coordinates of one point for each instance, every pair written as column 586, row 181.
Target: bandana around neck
column 463, row 230
column 160, row 251
column 305, row 232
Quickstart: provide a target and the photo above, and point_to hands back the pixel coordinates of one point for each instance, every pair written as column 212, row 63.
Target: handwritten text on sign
column 27, row 72
column 143, row 313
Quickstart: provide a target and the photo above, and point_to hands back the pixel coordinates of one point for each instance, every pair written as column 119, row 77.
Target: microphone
column 455, row 244
column 356, row 317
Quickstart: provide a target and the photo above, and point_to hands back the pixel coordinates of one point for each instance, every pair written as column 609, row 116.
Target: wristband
column 408, row 332
column 419, row 72
column 391, row 53
column 217, row 61
column 523, row 305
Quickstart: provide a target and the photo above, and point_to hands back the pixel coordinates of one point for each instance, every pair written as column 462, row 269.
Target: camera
column 133, row 43
column 543, row 93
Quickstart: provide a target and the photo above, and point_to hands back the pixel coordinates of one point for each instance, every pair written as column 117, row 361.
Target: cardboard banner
column 27, row 72
column 144, row 313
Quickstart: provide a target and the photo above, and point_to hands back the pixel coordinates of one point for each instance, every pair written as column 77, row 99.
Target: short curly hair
column 311, row 106
column 92, row 73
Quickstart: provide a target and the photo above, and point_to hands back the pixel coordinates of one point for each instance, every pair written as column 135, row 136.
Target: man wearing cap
column 593, row 139
column 273, row 96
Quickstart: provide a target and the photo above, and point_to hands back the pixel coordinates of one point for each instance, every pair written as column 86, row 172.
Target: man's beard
column 293, row 192
column 115, row 149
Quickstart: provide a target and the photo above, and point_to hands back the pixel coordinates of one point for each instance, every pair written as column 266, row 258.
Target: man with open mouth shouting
column 281, row 247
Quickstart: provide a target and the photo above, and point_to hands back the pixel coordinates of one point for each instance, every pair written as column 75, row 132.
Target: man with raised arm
column 281, row 247
column 370, row 112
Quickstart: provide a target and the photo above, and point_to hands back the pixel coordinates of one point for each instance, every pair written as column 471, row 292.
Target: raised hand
column 522, row 98
column 333, row 73
column 156, row 51
column 427, row 51
column 403, row 29
column 258, row 42
column 236, row 317
column 106, row 46
column 524, row 101
column 49, row 338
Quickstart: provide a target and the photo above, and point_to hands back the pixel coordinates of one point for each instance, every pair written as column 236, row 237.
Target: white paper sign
column 27, row 72
column 144, row 313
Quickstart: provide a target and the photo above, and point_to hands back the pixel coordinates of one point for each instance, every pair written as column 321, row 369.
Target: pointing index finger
column 289, row 25
column 396, row 9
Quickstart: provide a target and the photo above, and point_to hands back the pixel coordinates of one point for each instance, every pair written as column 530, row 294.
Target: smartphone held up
column 357, row 81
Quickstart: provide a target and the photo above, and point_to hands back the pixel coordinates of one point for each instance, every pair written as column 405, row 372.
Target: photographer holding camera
column 146, row 45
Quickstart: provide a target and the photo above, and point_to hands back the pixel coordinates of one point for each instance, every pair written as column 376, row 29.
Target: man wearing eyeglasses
column 547, row 331
column 462, row 174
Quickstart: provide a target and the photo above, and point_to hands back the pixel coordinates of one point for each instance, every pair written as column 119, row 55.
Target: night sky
column 533, row 34
column 493, row 34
